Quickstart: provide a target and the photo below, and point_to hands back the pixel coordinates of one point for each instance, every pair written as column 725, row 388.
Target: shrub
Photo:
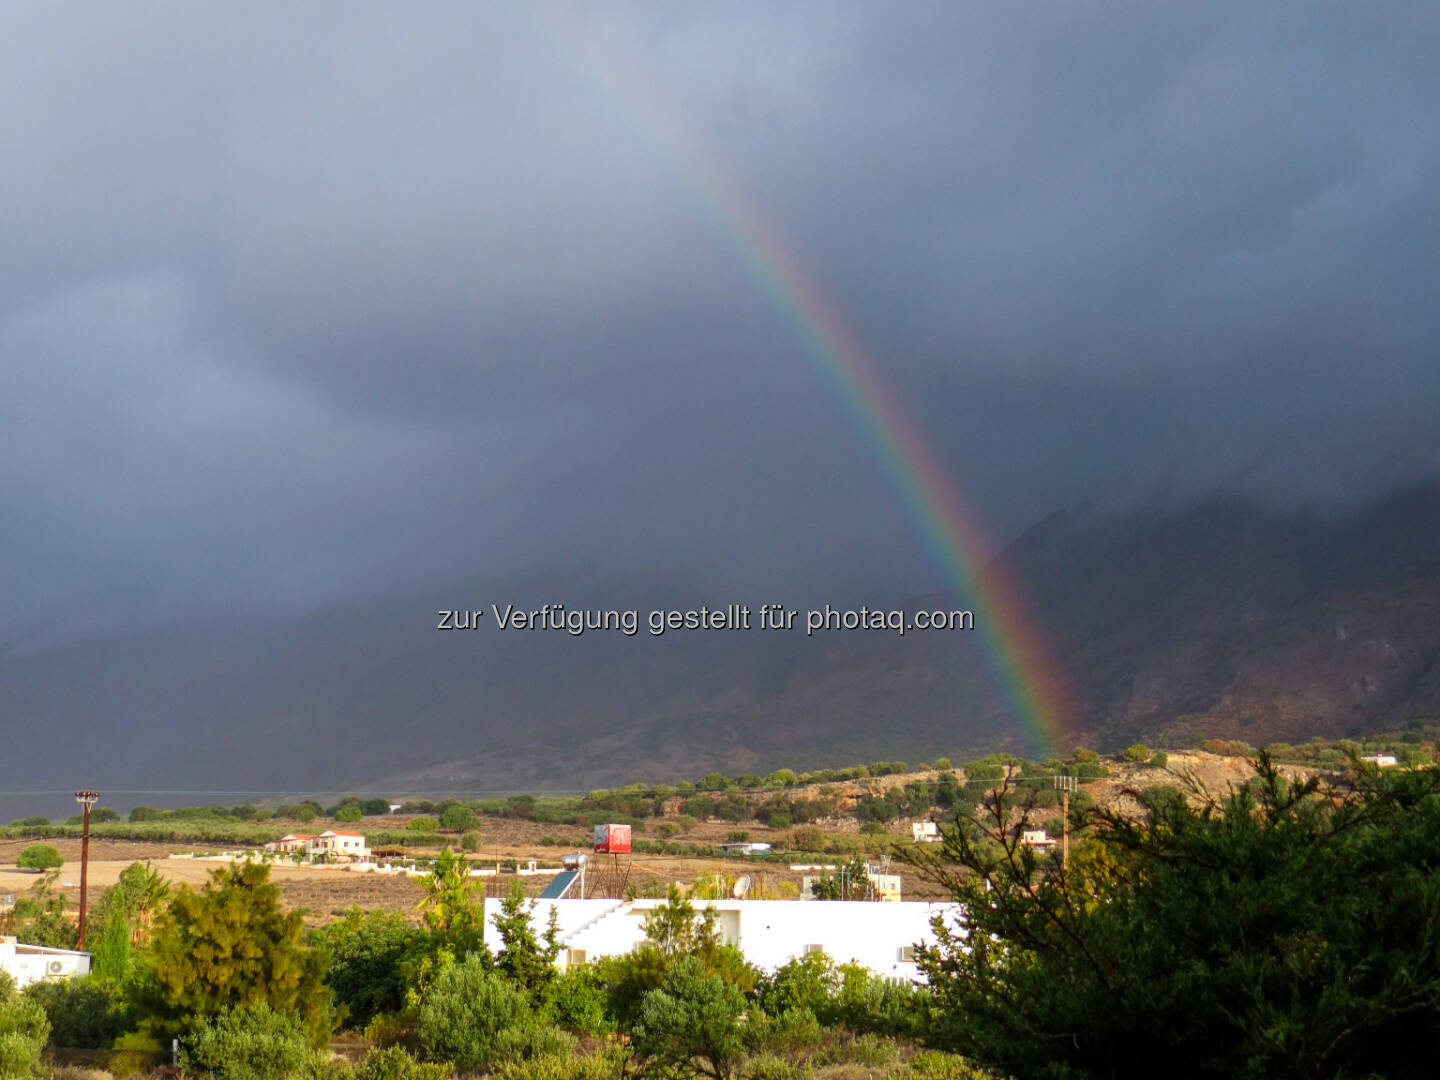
column 461, row 1019
column 1138, row 752
column 934, row 1065
column 83, row 1013
column 349, row 814
column 576, row 1000
column 39, row 857
column 23, row 1031
column 807, row 982
column 247, row 1042
column 470, row 841
column 1160, row 760
column 692, row 1023
column 395, row 1063
column 422, row 823
column 364, row 952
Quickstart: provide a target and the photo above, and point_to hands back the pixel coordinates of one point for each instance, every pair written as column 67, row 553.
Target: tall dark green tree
column 1287, row 930
column 528, row 958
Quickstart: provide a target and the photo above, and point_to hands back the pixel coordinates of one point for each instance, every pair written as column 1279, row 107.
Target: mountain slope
column 1222, row 619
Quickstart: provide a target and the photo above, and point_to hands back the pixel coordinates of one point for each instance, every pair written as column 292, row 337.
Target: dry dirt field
column 322, row 894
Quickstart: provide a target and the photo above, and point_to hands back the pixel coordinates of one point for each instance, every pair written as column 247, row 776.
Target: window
column 907, row 954
column 576, row 956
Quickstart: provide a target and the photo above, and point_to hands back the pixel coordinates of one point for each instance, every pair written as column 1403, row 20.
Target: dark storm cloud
column 299, row 303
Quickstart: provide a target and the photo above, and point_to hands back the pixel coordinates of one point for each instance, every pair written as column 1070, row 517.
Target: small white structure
column 28, row 964
column 1036, row 838
column 925, row 832
column 1384, row 761
column 770, row 933
column 746, row 847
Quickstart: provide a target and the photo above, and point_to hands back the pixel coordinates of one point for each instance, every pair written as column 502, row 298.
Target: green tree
column 422, row 823
column 674, row 929
column 39, row 857
column 527, row 959
column 453, row 911
column 40, row 918
column 692, row 1024
column 1286, row 930
column 349, row 814
column 850, row 882
column 230, row 944
column 1138, row 752
column 458, row 819
column 366, row 960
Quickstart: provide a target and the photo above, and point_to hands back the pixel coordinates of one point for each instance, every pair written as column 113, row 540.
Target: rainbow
column 948, row 523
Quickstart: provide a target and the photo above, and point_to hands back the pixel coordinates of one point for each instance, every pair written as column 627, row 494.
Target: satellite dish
column 742, row 886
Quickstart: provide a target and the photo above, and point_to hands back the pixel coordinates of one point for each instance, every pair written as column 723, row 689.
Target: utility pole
column 86, row 799
column 1066, row 784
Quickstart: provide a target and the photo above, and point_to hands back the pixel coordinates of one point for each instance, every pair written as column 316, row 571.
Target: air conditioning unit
column 55, row 967
column 907, row 954
column 577, row 956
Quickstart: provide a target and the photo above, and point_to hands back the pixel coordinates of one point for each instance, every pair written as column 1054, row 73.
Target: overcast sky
column 299, row 302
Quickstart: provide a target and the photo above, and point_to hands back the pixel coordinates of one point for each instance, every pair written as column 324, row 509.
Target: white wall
column 768, row 932
column 32, row 963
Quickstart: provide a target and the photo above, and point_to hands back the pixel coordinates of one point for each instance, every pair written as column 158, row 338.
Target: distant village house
column 340, row 846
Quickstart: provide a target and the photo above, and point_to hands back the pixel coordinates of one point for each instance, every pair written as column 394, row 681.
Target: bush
column 247, row 1042
column 39, row 857
column 1138, row 752
column 83, row 1013
column 1160, row 760
column 934, row 1065
column 470, row 841
column 395, row 1063
column 807, row 982
column 422, row 823
column 364, row 951
column 692, row 1023
column 23, row 1031
column 576, row 1000
column 349, row 814
column 461, row 1019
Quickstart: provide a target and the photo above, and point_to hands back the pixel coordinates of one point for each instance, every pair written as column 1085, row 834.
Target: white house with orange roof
column 290, row 842
column 331, row 844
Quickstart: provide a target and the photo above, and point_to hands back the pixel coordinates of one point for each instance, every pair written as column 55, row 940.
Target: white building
column 290, row 842
column 348, row 845
column 1384, row 761
column 770, row 933
column 28, row 964
column 330, row 843
column 1037, row 838
column 925, row 832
